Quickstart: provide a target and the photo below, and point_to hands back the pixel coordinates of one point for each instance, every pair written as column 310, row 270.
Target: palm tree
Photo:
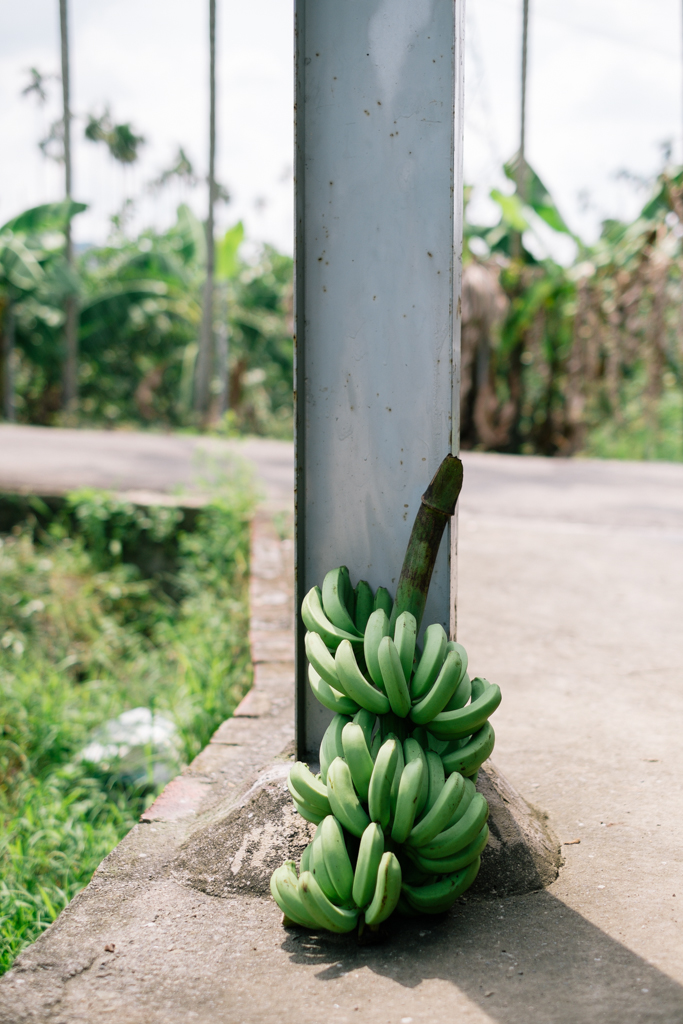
column 70, row 381
column 204, row 356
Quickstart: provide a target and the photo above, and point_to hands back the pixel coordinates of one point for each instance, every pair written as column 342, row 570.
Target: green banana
column 420, row 734
column 443, row 810
column 453, row 645
column 409, row 790
column 436, row 775
column 354, row 683
column 331, row 744
column 458, row 836
column 394, row 677
column 379, row 791
column 467, row 798
column 337, row 860
column 441, row 895
column 469, row 758
column 318, row 868
column 462, row 694
column 458, row 861
column 405, row 636
column 321, row 909
column 285, row 892
column 430, row 663
column 306, row 856
column 387, row 891
column 358, row 758
column 438, row 746
column 307, row 812
column 334, row 600
column 376, row 629
column 376, row 744
column 384, row 600
column 454, row 724
column 366, row 720
column 412, row 752
column 304, row 787
column 400, row 765
column 330, row 698
column 321, row 659
column 344, row 801
column 367, row 865
column 348, row 594
column 365, row 602
column 441, row 692
column 316, row 621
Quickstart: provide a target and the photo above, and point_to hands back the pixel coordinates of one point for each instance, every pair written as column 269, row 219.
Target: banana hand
column 321, row 909
column 440, row 896
column 469, row 758
column 316, row 621
column 441, row 813
column 458, row 836
column 458, row 861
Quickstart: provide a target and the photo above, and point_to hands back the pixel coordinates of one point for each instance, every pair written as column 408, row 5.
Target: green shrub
column 84, row 636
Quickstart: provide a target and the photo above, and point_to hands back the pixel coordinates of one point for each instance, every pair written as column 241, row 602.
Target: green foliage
column 579, row 358
column 140, row 311
column 85, row 635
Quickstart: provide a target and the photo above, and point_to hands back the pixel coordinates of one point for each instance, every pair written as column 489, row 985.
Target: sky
column 605, row 91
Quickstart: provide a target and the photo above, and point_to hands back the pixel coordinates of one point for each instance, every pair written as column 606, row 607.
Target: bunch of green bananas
column 398, row 764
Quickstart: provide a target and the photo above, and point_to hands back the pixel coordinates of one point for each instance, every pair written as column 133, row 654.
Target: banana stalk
column 436, row 508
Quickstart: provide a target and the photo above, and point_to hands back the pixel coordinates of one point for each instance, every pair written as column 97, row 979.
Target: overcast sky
column 605, row 91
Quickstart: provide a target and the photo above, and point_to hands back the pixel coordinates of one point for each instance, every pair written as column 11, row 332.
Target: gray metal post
column 377, row 159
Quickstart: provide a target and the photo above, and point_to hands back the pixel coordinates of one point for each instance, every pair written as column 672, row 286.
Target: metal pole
column 70, row 379
column 204, row 358
column 377, row 137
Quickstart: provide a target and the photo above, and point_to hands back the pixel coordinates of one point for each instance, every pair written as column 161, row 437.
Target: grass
column 85, row 634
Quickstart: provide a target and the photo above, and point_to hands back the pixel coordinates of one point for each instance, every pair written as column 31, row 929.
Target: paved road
column 571, row 597
column 607, row 494
column 42, row 460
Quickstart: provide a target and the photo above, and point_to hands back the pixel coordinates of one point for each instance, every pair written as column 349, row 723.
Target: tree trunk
column 205, row 354
column 8, row 409
column 70, row 368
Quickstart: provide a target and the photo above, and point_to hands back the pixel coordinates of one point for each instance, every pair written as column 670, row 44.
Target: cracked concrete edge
column 260, row 733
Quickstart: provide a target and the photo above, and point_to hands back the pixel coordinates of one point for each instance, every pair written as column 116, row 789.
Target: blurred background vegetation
column 140, row 305
column 557, row 360
column 582, row 359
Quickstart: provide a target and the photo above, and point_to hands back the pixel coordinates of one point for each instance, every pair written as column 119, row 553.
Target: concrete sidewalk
column 570, row 596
